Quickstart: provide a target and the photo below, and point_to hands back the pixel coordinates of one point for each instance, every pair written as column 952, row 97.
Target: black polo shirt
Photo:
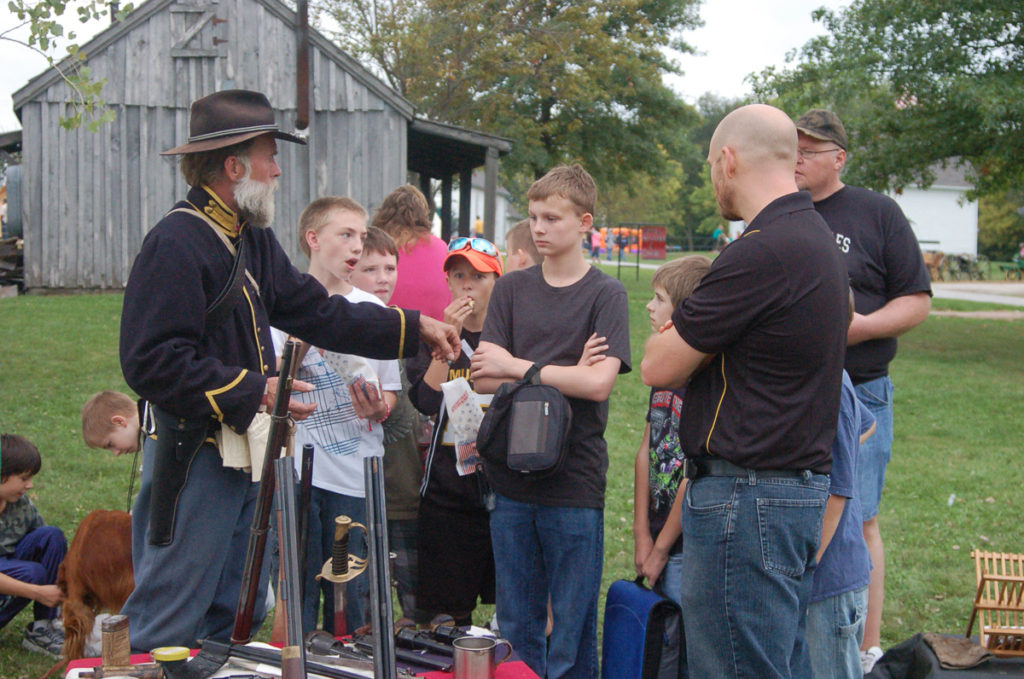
column 773, row 311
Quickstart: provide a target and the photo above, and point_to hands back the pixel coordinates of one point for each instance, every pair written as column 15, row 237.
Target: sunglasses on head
column 481, row 245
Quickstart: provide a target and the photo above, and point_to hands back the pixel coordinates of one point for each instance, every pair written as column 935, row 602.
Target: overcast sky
column 739, row 37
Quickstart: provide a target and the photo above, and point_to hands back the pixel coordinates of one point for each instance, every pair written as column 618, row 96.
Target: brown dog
column 96, row 575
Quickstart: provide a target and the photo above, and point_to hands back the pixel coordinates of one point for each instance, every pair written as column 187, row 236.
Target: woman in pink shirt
column 405, row 216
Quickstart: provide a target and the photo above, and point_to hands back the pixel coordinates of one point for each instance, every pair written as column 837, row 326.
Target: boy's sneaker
column 868, row 658
column 44, row 636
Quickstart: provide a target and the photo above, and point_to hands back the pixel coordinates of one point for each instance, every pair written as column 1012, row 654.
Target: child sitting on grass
column 658, row 545
column 30, row 551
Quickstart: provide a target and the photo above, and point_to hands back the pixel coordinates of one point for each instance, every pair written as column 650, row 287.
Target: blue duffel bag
column 643, row 634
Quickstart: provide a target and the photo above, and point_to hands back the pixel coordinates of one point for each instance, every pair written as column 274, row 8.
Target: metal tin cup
column 475, row 657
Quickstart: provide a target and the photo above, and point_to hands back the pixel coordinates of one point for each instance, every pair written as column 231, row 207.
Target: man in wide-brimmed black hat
column 205, row 288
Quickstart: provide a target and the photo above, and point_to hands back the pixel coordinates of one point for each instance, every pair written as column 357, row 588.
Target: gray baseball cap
column 823, row 125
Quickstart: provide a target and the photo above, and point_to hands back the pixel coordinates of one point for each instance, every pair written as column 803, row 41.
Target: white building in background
column 940, row 215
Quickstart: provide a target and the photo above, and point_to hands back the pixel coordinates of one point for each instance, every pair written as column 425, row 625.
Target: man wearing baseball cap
column 892, row 294
column 205, row 288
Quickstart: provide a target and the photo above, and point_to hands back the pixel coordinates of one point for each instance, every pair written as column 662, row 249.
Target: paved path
column 994, row 292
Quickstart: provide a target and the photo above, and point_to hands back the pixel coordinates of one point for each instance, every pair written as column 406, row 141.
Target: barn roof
column 438, row 149
column 951, row 175
column 147, row 9
column 10, row 141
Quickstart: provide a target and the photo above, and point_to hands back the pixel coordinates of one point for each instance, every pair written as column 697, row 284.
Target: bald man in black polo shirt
column 761, row 342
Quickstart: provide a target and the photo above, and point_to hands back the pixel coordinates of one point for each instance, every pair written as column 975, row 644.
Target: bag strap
column 532, row 375
column 218, row 310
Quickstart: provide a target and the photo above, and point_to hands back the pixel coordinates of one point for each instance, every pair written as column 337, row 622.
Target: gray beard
column 255, row 201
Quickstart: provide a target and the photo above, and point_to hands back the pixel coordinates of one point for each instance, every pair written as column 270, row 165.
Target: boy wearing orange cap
column 456, row 563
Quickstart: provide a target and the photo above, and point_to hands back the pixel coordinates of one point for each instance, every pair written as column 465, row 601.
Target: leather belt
column 707, row 466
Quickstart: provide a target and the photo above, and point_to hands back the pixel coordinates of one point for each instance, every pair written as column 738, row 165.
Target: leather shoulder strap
column 221, row 306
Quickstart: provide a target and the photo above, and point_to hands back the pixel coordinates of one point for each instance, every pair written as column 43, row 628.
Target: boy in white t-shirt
column 346, row 425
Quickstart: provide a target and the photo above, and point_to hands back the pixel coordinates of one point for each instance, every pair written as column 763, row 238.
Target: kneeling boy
column 30, row 551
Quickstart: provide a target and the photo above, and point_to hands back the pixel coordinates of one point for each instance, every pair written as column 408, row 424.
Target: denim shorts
column 876, row 396
column 835, row 628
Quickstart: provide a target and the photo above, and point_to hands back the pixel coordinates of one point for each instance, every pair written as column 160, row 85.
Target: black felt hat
column 229, row 117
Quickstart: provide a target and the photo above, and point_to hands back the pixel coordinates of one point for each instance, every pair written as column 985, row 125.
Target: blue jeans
column 670, row 583
column 324, row 506
column 835, row 628
column 876, row 396
column 748, row 545
column 541, row 551
column 404, row 567
column 35, row 560
column 188, row 590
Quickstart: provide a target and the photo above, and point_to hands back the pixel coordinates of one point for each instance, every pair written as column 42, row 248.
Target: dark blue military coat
column 169, row 356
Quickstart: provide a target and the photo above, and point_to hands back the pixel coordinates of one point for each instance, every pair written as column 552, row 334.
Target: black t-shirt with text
column 549, row 325
column 883, row 260
column 772, row 311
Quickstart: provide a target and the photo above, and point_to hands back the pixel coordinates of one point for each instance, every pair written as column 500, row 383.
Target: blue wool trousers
column 188, row 590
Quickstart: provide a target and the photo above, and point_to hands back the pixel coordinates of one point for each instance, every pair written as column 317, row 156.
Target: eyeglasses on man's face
column 807, row 154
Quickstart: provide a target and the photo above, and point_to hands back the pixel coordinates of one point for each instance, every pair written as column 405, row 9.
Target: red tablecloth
column 513, row 669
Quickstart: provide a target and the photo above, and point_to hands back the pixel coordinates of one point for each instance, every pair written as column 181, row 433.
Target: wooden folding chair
column 999, row 602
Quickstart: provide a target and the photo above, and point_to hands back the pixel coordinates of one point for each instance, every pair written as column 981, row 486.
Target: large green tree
column 566, row 79
column 917, row 83
column 700, row 207
column 1000, row 226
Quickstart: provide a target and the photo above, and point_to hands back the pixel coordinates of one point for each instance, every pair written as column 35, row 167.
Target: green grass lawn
column 959, row 435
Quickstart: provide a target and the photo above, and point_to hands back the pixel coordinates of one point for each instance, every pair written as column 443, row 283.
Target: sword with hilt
column 340, row 568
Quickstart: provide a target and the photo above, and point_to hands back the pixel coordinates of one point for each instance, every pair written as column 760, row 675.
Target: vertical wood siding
column 90, row 198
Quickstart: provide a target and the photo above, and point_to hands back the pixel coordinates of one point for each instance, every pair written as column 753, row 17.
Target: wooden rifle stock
column 276, row 440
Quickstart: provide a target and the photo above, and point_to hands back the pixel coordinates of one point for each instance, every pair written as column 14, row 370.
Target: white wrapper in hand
column 464, row 417
column 356, row 372
column 350, row 367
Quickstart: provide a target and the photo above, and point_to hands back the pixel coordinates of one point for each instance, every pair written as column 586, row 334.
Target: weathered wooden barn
column 90, row 197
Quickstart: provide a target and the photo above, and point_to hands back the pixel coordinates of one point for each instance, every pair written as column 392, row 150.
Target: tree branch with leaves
column 917, row 84
column 46, row 34
column 566, row 79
